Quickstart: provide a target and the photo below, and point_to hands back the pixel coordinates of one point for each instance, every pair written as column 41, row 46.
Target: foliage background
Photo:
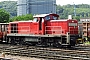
column 4, row 16
column 9, row 6
column 82, row 10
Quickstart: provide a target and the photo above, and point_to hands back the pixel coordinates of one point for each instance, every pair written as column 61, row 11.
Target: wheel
column 21, row 42
column 12, row 41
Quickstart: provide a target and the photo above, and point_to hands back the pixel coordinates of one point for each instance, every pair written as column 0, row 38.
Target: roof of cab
column 43, row 15
column 4, row 23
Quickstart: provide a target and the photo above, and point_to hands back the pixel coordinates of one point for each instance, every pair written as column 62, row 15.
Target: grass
column 87, row 43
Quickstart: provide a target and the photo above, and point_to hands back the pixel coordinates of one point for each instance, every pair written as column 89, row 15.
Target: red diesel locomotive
column 44, row 30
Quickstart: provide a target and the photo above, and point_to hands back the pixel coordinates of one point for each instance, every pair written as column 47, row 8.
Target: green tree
column 77, row 18
column 4, row 16
column 22, row 18
column 9, row 6
column 59, row 9
column 82, row 10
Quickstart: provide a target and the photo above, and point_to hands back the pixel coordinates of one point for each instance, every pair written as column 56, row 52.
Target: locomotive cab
column 42, row 21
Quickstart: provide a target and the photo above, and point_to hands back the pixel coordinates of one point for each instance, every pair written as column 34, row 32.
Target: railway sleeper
column 74, row 55
column 84, row 56
column 62, row 58
column 76, row 58
column 39, row 56
column 33, row 55
column 24, row 53
column 39, row 51
column 59, row 57
column 51, row 57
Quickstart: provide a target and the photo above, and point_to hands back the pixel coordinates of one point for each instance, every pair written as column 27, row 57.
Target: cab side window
column 35, row 20
column 47, row 18
column 55, row 18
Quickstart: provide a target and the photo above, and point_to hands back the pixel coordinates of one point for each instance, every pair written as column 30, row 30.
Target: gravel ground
column 19, row 57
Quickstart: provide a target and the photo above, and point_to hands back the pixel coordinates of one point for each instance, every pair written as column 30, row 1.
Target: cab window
column 35, row 20
column 55, row 18
column 47, row 18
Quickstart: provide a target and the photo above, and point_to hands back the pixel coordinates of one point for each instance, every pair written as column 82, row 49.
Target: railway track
column 83, row 47
column 46, row 53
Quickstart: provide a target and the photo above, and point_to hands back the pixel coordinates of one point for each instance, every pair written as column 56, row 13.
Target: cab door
column 41, row 25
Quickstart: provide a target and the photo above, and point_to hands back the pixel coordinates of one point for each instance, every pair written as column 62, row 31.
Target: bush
column 22, row 18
